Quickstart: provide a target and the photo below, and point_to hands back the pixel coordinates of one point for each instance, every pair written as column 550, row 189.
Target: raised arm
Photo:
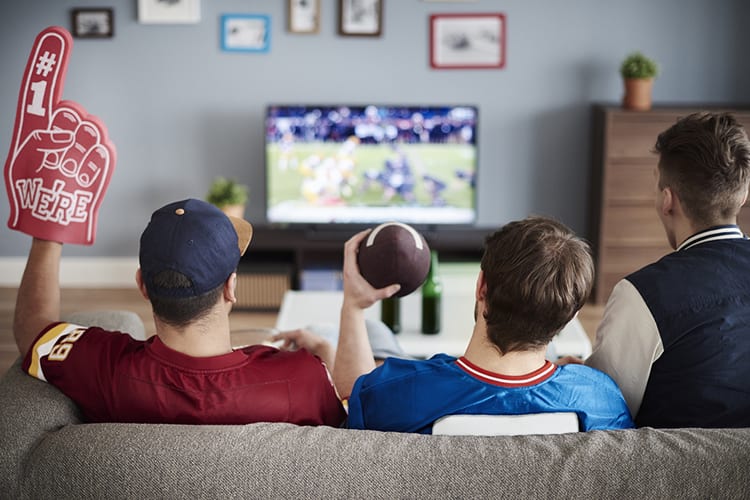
column 354, row 353
column 38, row 299
column 63, row 154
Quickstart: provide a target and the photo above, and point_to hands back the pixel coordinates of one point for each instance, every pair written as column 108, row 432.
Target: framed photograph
column 93, row 23
column 303, row 16
column 246, row 32
column 462, row 41
column 169, row 11
column 360, row 17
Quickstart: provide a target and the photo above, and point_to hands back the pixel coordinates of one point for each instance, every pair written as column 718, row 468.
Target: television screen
column 370, row 164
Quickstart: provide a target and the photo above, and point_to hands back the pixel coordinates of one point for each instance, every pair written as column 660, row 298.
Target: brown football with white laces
column 394, row 252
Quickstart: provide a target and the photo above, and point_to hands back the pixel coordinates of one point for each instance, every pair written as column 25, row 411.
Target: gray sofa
column 47, row 452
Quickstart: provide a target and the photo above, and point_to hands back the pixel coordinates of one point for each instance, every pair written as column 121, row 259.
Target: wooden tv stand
column 277, row 256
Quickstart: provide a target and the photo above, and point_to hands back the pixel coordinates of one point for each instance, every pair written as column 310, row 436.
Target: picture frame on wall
column 93, row 23
column 466, row 41
column 169, row 12
column 360, row 17
column 303, row 16
column 246, row 32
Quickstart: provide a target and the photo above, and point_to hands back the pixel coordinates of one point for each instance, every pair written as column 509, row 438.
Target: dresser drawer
column 630, row 181
column 631, row 225
column 633, row 135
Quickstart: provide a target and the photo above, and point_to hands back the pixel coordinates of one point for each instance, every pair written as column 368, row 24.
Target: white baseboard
column 78, row 272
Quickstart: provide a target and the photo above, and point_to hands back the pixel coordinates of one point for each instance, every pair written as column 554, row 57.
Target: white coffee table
column 304, row 308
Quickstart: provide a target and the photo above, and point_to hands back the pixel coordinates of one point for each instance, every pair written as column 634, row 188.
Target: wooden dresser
column 626, row 233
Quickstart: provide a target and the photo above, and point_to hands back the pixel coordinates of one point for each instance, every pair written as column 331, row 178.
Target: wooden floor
column 78, row 299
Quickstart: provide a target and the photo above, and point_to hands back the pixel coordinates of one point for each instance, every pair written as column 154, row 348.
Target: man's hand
column 60, row 159
column 358, row 292
column 305, row 339
column 353, row 352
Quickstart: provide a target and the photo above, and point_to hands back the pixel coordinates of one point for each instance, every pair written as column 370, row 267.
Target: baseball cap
column 196, row 239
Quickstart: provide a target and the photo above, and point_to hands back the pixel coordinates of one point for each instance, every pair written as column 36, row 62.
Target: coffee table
column 305, row 308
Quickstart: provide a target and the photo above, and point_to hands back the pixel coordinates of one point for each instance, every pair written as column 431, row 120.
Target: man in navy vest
column 675, row 335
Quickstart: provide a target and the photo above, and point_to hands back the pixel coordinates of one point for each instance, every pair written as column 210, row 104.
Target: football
column 394, row 253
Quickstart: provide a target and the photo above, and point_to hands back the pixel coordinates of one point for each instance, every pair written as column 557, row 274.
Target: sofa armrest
column 30, row 409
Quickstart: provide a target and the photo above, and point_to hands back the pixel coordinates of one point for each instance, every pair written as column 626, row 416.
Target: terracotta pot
column 638, row 94
column 234, row 210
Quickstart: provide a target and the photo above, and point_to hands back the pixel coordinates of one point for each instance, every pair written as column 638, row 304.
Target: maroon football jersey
column 115, row 378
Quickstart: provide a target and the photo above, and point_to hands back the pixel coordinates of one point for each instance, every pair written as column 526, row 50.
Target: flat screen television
column 367, row 164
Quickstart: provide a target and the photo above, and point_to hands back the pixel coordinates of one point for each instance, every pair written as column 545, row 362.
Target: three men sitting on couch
column 674, row 334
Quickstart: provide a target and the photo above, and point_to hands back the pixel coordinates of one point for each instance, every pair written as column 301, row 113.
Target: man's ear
column 480, row 296
column 230, row 286
column 141, row 285
column 668, row 200
column 480, row 293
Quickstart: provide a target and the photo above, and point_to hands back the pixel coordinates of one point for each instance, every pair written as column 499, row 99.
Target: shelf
column 294, row 254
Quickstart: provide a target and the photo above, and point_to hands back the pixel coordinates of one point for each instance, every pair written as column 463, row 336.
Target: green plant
column 636, row 65
column 225, row 192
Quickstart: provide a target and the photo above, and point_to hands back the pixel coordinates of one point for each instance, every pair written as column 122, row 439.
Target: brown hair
column 538, row 275
column 179, row 312
column 705, row 158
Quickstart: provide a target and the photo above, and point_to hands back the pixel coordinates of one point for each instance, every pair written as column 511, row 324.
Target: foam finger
column 65, row 118
column 86, row 139
column 93, row 165
column 43, row 82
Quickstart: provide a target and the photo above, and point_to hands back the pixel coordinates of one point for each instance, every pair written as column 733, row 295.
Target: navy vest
column 699, row 298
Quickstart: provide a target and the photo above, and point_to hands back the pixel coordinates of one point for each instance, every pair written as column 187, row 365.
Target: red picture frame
column 467, row 41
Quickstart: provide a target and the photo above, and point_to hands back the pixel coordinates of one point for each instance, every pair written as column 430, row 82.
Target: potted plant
column 638, row 73
column 229, row 195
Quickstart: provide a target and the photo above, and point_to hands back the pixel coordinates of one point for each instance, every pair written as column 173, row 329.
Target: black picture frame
column 361, row 17
column 93, row 23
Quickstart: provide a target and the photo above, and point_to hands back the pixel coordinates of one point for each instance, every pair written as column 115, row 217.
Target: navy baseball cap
column 196, row 239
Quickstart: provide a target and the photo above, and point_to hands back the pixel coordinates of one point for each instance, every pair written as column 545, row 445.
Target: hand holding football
column 394, row 253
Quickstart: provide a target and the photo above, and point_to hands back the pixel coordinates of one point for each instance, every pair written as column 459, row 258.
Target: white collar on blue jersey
column 729, row 232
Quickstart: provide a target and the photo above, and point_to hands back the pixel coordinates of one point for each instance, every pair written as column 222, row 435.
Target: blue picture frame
column 246, row 32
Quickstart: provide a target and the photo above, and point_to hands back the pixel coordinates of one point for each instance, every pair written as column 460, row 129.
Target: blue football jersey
column 408, row 396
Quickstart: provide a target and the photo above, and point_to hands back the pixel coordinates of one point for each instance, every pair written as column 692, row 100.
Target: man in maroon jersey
column 188, row 372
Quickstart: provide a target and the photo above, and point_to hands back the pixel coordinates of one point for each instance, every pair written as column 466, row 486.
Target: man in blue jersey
column 675, row 335
column 535, row 275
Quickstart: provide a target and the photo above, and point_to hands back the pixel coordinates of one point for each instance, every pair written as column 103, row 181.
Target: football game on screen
column 371, row 164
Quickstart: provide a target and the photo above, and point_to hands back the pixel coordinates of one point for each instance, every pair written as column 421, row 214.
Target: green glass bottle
column 390, row 313
column 432, row 293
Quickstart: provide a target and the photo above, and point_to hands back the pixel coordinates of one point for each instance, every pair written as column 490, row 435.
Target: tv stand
column 278, row 255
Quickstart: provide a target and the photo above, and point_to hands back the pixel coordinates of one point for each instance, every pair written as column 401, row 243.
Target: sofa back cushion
column 287, row 461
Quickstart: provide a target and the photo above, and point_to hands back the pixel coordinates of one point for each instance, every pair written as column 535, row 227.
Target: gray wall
column 181, row 111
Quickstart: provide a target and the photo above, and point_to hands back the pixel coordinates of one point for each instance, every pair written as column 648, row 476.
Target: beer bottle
column 432, row 292
column 390, row 313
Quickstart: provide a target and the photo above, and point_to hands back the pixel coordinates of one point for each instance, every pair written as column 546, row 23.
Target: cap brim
column 244, row 232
